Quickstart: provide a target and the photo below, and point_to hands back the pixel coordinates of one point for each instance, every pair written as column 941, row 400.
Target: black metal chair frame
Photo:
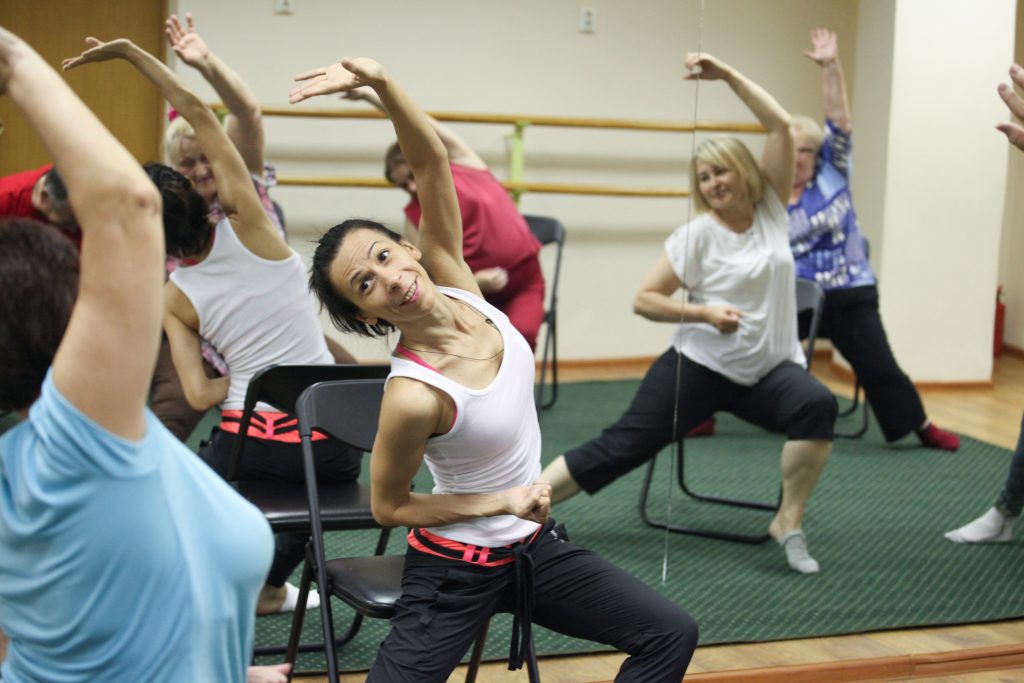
column 863, row 428
column 809, row 296
column 285, row 504
column 371, row 585
column 549, row 231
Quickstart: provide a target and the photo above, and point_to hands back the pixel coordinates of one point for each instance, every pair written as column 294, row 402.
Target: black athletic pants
column 445, row 602
column 788, row 399
column 852, row 321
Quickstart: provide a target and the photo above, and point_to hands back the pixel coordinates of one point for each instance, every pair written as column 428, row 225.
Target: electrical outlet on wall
column 284, row 6
column 588, row 20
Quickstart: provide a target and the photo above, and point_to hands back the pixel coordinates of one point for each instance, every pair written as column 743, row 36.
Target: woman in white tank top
column 460, row 397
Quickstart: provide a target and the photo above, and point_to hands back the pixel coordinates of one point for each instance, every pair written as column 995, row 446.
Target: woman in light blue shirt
column 122, row 556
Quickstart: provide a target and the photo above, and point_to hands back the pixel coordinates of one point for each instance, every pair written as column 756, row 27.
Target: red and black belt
column 270, row 426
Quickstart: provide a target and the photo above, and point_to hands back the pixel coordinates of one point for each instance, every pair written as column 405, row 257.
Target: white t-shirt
column 752, row 272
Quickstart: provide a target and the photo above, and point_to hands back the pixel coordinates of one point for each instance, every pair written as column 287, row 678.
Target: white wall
column 527, row 57
column 945, row 180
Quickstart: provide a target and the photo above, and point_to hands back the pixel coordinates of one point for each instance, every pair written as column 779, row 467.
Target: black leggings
column 275, row 460
column 851, row 320
column 787, row 399
column 445, row 602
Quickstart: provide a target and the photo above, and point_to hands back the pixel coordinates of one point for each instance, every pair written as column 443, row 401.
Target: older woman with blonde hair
column 736, row 337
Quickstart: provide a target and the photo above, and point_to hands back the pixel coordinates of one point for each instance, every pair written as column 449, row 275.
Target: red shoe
column 933, row 437
column 705, row 428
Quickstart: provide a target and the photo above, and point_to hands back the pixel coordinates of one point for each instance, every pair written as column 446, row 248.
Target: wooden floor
column 992, row 415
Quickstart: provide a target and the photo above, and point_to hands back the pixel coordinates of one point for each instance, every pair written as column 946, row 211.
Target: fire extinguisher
column 997, row 345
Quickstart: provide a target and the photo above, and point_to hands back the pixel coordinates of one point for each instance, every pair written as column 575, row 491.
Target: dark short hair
column 343, row 313
column 55, row 190
column 392, row 158
column 38, row 287
column 186, row 223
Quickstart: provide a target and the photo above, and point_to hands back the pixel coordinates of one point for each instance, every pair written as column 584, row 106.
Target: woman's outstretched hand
column 347, row 75
column 99, row 51
column 1013, row 131
column 186, row 43
column 703, row 66
column 824, row 46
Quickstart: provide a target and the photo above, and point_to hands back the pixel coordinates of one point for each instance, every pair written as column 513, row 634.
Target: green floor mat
column 875, row 524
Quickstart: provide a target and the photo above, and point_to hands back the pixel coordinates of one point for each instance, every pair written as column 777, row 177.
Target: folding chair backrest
column 810, row 297
column 348, row 410
column 281, row 385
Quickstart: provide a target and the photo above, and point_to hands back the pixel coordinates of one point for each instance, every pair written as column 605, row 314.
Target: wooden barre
column 544, row 188
column 524, row 120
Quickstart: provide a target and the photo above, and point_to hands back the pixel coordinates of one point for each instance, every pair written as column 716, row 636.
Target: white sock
column 991, row 527
column 291, row 599
column 795, row 544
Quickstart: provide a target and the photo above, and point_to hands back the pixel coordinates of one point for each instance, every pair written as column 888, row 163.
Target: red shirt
column 16, row 194
column 16, row 200
column 494, row 233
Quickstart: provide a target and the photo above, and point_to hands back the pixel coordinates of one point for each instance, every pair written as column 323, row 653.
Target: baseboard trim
column 641, row 363
column 897, row 667
column 1015, row 351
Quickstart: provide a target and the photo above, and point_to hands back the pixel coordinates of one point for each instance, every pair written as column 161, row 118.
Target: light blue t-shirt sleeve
column 75, row 444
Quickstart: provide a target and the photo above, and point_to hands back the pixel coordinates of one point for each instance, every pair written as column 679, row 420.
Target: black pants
column 787, row 399
column 275, row 460
column 851, row 320
column 445, row 602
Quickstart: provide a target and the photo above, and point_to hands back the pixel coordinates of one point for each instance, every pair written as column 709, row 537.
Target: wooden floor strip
column 877, row 668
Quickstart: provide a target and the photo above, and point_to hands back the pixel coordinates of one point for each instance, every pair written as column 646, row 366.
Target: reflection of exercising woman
column 460, row 397
column 737, row 342
column 830, row 249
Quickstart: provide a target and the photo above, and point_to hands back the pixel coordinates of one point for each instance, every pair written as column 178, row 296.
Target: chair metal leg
column 859, row 431
column 752, row 539
column 351, row 632
column 478, row 653
column 550, row 351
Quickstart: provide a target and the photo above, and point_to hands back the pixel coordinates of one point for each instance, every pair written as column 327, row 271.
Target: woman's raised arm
column 440, row 237
column 244, row 124
column 105, row 360
column 777, row 157
column 234, row 184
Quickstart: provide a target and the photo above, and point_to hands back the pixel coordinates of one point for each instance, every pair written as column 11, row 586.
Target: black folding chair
column 809, row 296
column 549, row 231
column 370, row 585
column 284, row 503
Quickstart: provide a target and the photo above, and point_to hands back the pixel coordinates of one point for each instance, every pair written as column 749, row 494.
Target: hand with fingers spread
column 186, row 42
column 344, row 76
column 99, row 51
column 705, row 67
column 1014, row 131
column 824, row 47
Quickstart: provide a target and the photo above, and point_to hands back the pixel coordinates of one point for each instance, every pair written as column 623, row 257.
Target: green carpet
column 875, row 524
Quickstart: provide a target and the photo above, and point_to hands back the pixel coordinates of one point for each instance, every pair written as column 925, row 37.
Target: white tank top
column 254, row 311
column 494, row 442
